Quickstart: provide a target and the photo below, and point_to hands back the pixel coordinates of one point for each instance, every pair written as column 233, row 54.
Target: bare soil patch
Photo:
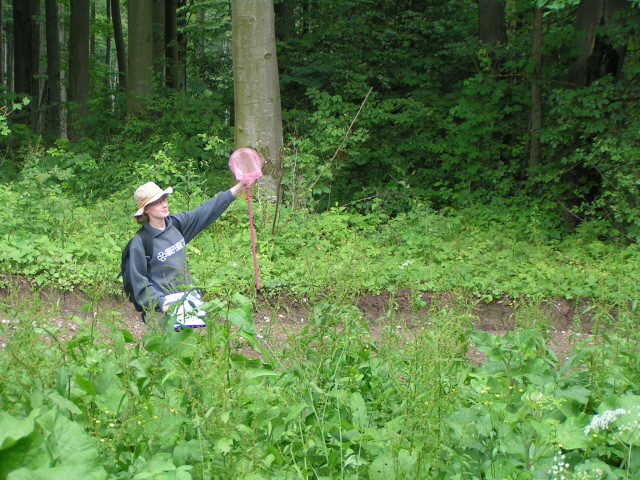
column 278, row 318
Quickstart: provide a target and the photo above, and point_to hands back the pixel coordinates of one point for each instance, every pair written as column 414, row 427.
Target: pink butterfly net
column 246, row 166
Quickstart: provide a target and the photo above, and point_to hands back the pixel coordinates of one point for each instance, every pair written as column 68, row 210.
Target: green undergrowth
column 504, row 248
column 330, row 400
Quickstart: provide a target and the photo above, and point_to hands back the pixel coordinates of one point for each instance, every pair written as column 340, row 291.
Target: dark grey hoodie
column 167, row 266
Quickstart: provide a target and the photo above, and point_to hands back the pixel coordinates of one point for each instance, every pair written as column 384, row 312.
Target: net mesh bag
column 246, row 165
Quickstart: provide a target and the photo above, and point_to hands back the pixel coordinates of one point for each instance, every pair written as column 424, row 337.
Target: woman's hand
column 239, row 187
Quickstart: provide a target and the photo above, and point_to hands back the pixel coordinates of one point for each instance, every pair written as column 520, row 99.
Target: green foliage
column 332, row 401
column 56, row 232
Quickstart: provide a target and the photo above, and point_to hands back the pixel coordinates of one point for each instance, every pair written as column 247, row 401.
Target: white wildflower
column 559, row 466
column 406, row 264
column 602, row 421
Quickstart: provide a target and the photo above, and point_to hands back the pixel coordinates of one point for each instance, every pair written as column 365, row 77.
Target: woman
column 155, row 279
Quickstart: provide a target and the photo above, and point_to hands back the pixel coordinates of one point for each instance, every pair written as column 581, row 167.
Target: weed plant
column 332, row 401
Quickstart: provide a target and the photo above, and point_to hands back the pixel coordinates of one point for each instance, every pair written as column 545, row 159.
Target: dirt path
column 277, row 318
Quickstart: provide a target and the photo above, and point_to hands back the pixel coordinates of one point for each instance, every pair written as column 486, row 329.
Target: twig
column 344, row 140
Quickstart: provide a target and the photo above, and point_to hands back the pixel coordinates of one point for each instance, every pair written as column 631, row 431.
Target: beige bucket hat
column 148, row 193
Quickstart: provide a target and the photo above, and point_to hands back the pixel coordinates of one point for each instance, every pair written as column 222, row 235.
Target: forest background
column 484, row 149
column 517, row 113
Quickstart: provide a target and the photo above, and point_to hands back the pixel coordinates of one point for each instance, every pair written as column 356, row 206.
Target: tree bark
column 140, row 54
column 62, row 41
column 598, row 57
column 79, row 61
column 536, row 90
column 92, row 35
column 2, row 47
column 53, row 67
column 26, row 49
column 118, row 37
column 181, row 68
column 158, row 39
column 258, row 115
column 491, row 21
column 107, row 41
column 171, row 43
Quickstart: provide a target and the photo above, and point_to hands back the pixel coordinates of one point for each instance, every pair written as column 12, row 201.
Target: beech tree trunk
column 258, row 114
column 158, row 39
column 140, row 54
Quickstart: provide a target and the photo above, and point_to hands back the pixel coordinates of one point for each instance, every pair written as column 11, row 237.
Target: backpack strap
column 147, row 243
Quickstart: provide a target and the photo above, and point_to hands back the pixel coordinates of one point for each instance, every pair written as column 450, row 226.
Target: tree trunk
column 53, row 67
column 92, row 35
column 598, row 57
column 181, row 68
column 140, row 54
column 62, row 41
column 158, row 39
column 536, row 91
column 107, row 45
column 491, row 21
column 79, row 61
column 37, row 82
column 118, row 37
column 258, row 115
column 2, row 46
column 171, row 43
column 26, row 49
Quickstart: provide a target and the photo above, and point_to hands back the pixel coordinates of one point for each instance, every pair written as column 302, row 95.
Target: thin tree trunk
column 11, row 78
column 92, row 35
column 53, row 67
column 3, row 64
column 107, row 41
column 62, row 41
column 171, row 43
column 536, row 90
column 118, row 37
column 38, row 80
column 181, row 68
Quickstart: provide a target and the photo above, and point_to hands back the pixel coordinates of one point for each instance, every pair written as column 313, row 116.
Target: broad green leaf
column 358, row 410
column 68, row 442
column 63, row 471
column 570, row 433
column 64, row 403
column 382, row 468
column 13, row 429
column 242, row 320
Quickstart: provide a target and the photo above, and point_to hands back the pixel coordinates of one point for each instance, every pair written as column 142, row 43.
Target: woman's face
column 158, row 209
